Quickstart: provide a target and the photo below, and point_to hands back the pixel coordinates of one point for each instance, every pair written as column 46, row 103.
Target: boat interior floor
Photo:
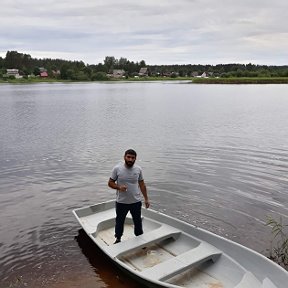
column 168, row 255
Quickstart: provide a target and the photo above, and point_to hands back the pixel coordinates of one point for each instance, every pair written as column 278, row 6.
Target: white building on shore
column 13, row 72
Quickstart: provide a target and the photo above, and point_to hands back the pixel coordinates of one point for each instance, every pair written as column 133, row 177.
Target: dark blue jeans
column 121, row 213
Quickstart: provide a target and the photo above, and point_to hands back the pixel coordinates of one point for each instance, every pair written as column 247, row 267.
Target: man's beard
column 129, row 163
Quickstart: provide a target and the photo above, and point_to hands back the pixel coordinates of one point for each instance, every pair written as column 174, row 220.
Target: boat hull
column 173, row 253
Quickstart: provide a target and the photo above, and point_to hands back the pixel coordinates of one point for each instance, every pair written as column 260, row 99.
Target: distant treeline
column 78, row 70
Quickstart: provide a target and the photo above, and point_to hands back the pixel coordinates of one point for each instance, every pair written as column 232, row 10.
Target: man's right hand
column 122, row 188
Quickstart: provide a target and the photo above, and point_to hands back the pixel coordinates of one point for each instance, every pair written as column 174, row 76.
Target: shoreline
column 240, row 80
column 257, row 80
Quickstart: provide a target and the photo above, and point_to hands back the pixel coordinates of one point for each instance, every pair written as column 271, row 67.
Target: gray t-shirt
column 130, row 177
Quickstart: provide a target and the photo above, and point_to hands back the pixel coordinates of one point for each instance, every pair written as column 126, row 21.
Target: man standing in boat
column 127, row 179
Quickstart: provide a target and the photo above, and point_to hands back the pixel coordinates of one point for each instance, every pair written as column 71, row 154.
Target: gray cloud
column 160, row 32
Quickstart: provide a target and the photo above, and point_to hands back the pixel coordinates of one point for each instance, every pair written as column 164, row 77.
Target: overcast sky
column 157, row 31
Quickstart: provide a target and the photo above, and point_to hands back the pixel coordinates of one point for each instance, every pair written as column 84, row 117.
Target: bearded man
column 127, row 179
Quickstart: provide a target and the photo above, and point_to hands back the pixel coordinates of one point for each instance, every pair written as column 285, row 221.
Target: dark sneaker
column 117, row 241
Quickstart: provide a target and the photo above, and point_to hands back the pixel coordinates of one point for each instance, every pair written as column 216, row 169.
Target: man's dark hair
column 130, row 152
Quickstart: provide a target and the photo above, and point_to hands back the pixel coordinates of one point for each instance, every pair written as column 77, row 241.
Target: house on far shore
column 13, row 72
column 117, row 73
column 43, row 74
column 143, row 72
column 56, row 72
column 202, row 75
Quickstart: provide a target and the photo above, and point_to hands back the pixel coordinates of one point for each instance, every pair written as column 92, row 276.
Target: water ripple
column 206, row 161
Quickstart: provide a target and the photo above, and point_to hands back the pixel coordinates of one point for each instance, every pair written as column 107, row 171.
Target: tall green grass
column 279, row 243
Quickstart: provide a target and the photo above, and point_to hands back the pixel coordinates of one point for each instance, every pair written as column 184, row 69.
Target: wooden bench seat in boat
column 148, row 238
column 203, row 252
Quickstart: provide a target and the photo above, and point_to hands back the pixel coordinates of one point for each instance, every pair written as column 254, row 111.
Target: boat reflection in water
column 106, row 274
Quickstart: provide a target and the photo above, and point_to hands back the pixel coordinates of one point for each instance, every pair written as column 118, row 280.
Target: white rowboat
column 172, row 253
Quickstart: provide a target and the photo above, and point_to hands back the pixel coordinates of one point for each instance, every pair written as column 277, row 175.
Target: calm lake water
column 213, row 155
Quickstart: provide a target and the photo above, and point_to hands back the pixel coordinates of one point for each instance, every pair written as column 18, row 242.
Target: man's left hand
column 147, row 204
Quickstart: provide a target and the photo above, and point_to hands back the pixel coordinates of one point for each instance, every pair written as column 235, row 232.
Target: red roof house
column 44, row 74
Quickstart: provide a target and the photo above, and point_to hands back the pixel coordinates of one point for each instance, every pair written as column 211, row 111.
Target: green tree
column 1, row 63
column 99, row 76
column 110, row 62
column 36, row 71
column 70, row 74
column 142, row 64
column 13, row 59
column 64, row 72
column 122, row 63
column 80, row 76
column 263, row 73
